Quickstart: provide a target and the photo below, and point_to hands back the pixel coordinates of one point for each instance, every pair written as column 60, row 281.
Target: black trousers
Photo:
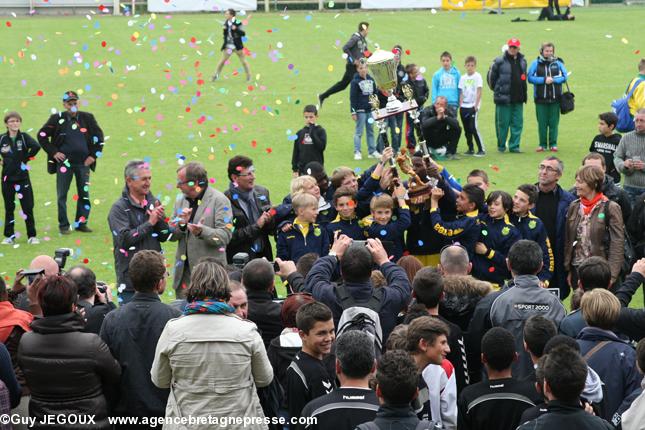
column 469, row 121
column 555, row 5
column 444, row 136
column 25, row 194
column 350, row 71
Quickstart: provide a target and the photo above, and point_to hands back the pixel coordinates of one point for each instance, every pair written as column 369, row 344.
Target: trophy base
column 386, row 112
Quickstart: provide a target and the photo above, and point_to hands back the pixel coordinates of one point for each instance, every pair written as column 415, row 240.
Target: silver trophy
column 382, row 67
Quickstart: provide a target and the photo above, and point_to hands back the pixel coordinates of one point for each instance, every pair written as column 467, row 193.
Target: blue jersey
column 393, row 231
column 498, row 235
column 532, row 228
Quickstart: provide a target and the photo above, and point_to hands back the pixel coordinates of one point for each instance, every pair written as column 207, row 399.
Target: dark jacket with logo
column 246, row 233
column 16, row 154
column 132, row 332
column 563, row 416
column 236, row 33
column 500, row 77
column 498, row 235
column 52, row 135
column 542, row 68
column 292, row 245
column 309, row 146
column 615, row 363
column 68, row 372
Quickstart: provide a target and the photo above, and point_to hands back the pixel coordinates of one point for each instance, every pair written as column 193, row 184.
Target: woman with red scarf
column 594, row 226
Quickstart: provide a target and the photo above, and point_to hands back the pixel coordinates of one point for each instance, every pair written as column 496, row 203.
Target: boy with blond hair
column 305, row 235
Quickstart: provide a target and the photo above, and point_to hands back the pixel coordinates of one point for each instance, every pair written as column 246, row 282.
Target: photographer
column 23, row 296
column 95, row 300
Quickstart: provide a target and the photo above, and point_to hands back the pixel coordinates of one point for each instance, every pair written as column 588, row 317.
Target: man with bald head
column 454, row 261
column 19, row 296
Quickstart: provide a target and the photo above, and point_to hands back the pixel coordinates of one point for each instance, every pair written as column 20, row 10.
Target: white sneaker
column 33, row 241
column 357, row 156
column 374, row 154
column 7, row 241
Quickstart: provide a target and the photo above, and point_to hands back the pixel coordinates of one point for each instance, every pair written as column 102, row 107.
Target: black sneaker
column 480, row 154
column 64, row 230
column 83, row 228
column 469, row 152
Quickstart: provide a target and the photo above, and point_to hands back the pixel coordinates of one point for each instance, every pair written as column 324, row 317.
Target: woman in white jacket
column 211, row 359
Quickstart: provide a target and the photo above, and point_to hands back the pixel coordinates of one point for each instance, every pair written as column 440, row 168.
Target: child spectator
column 427, row 342
column 606, row 142
column 386, row 227
column 532, row 227
column 308, row 184
column 305, row 236
column 497, row 237
column 346, row 221
column 470, row 96
column 480, row 178
column 362, row 87
column 481, row 404
column 465, row 229
column 420, row 94
column 16, row 149
column 310, row 143
column 445, row 81
column 311, row 374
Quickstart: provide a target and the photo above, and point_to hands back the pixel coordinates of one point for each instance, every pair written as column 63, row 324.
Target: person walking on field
column 356, row 49
column 233, row 38
column 547, row 74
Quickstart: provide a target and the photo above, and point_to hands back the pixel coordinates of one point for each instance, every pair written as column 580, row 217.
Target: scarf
column 588, row 205
column 208, row 306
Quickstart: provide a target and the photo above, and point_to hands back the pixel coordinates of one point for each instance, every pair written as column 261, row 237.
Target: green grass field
column 147, row 80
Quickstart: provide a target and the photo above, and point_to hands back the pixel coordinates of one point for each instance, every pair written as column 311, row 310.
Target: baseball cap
column 513, row 42
column 70, row 95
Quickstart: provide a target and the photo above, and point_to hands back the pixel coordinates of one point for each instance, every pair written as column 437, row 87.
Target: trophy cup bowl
column 382, row 67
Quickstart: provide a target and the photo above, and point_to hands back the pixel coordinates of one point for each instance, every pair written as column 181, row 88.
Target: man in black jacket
column 565, row 373
column 441, row 127
column 258, row 277
column 132, row 332
column 252, row 213
column 355, row 48
column 96, row 304
column 507, row 79
column 73, row 141
column 137, row 222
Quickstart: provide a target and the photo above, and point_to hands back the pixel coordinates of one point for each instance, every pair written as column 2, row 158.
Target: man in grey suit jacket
column 202, row 225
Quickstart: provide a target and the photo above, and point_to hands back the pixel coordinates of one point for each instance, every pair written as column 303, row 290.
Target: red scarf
column 11, row 317
column 588, row 205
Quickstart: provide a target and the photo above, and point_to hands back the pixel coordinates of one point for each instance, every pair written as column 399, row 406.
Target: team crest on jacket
column 505, row 231
column 532, row 224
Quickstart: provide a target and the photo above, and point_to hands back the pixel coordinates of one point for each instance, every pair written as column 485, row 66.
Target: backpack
column 629, row 255
column 423, row 425
column 363, row 317
column 621, row 109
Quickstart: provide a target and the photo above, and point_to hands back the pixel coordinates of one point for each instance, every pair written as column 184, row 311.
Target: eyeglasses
column 250, row 172
column 548, row 169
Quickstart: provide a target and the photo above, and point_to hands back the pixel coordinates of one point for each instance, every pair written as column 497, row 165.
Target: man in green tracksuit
column 507, row 78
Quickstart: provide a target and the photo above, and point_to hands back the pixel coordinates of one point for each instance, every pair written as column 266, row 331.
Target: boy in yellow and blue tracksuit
column 346, row 221
column 496, row 238
column 305, row 236
column 385, row 226
column 532, row 227
column 465, row 229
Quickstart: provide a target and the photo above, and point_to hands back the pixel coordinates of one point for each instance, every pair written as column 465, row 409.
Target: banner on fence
column 491, row 4
column 451, row 4
column 200, row 5
column 400, row 4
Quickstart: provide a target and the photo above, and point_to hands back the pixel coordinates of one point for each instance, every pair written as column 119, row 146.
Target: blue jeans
column 395, row 124
column 362, row 122
column 633, row 193
column 63, row 180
